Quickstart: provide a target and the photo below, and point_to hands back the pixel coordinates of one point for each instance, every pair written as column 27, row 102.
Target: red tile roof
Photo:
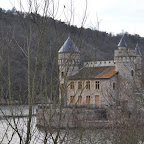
column 94, row 73
column 108, row 75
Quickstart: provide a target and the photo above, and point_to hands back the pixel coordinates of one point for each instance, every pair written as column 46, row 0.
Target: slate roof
column 89, row 73
column 122, row 42
column 69, row 47
column 138, row 52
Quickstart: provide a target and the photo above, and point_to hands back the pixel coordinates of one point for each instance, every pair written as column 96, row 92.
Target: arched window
column 132, row 73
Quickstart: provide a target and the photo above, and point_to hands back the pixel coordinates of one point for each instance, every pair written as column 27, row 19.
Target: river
column 8, row 134
column 75, row 136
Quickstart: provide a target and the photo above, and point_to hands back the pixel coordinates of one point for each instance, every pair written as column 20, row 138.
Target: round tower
column 125, row 65
column 68, row 61
column 125, row 60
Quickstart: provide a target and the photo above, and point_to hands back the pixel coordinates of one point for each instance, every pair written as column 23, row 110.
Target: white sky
column 112, row 15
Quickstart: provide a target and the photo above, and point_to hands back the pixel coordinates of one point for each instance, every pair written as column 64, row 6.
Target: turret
column 124, row 58
column 122, row 44
column 68, row 61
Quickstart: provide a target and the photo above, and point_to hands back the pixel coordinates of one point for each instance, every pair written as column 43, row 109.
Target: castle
column 99, row 84
column 101, row 94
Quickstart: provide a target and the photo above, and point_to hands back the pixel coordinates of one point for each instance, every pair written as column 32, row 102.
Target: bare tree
column 38, row 85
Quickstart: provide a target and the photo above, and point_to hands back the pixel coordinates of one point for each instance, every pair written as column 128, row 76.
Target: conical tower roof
column 138, row 52
column 122, row 42
column 69, row 47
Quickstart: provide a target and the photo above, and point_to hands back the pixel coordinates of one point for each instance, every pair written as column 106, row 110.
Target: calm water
column 72, row 136
column 8, row 134
column 81, row 136
column 15, row 110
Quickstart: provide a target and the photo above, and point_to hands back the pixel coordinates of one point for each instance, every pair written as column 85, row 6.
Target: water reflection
column 75, row 136
column 9, row 126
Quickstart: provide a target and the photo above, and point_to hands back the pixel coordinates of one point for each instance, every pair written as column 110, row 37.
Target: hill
column 28, row 49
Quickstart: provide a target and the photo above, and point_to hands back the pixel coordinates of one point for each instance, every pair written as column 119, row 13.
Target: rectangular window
column 88, row 85
column 132, row 73
column 71, row 85
column 79, row 100
column 79, row 85
column 87, row 99
column 72, row 100
column 97, row 100
column 114, row 86
column 97, row 84
column 62, row 74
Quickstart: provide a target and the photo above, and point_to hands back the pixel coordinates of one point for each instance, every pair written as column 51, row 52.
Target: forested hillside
column 28, row 47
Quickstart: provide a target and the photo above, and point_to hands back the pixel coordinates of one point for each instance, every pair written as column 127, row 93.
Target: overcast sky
column 112, row 16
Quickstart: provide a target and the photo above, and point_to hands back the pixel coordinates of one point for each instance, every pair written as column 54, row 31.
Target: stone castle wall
column 99, row 63
column 71, row 118
column 81, row 117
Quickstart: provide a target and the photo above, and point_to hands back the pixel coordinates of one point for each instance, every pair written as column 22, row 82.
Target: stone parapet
column 99, row 63
column 125, row 53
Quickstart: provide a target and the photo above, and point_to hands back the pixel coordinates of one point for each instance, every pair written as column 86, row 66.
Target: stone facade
column 104, row 95
column 73, row 118
column 99, row 83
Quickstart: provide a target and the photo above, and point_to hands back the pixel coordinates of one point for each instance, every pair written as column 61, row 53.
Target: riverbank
column 17, row 111
column 90, row 118
column 18, row 116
